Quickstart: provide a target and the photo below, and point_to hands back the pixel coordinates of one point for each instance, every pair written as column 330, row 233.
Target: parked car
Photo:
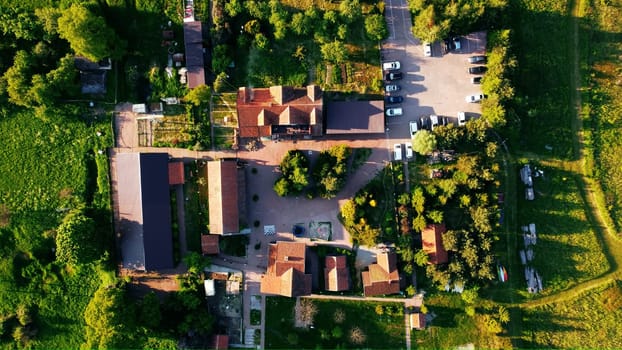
column 393, row 65
column 457, row 44
column 397, row 151
column 393, row 76
column 475, row 98
column 477, row 59
column 409, row 151
column 461, row 118
column 414, row 127
column 427, row 49
column 394, row 112
column 477, row 70
column 476, row 80
column 392, row 88
column 393, row 99
column 433, row 121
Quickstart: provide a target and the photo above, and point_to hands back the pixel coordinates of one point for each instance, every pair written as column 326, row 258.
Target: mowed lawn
column 590, row 321
column 47, row 167
column 379, row 331
column 567, row 250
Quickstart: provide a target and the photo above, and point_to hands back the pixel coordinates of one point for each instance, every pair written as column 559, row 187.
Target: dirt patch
column 142, row 283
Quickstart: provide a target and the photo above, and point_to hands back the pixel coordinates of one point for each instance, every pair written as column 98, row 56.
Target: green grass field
column 588, row 321
column 568, row 250
column 452, row 327
column 380, row 332
column 48, row 167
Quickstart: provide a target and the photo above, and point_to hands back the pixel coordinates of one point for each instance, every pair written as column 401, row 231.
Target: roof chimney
column 286, row 258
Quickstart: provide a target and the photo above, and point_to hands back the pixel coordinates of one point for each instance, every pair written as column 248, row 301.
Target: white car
column 461, row 118
column 394, row 112
column 475, row 98
column 414, row 127
column 393, row 65
column 433, row 121
column 397, row 151
column 427, row 49
column 409, row 151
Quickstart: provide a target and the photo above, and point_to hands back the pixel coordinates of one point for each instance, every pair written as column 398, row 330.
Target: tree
column 418, row 200
column 220, row 82
column 89, row 35
column 357, row 336
column 75, row 239
column 376, row 27
column 150, row 314
column 424, row 142
column 350, row 10
column 281, row 187
column 337, row 332
column 301, row 24
column 421, row 258
column 428, row 27
column 334, row 51
column 436, row 216
column 220, row 59
column 305, row 312
column 109, row 319
column 198, row 96
column 233, row 7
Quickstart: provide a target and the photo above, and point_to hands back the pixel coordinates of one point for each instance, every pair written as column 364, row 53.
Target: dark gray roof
column 193, row 32
column 355, row 117
column 144, row 211
column 195, row 63
column 157, row 232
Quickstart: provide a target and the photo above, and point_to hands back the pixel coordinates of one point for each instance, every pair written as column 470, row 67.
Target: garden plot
column 224, row 119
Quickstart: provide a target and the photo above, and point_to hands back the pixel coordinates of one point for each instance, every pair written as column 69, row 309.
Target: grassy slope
column 589, row 321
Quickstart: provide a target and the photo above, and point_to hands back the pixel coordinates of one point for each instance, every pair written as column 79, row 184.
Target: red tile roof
column 263, row 112
column 209, row 244
column 176, row 173
column 285, row 274
column 432, row 239
column 417, row 320
column 382, row 277
column 220, row 342
column 222, row 190
column 336, row 274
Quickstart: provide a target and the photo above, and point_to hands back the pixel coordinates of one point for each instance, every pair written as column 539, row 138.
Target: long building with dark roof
column 144, row 211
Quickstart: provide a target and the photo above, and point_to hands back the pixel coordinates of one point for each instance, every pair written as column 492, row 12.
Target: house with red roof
column 226, row 190
column 336, row 274
column 280, row 111
column 382, row 277
column 286, row 272
column 432, row 241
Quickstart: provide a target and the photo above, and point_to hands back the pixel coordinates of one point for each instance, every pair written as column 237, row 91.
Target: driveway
column 431, row 85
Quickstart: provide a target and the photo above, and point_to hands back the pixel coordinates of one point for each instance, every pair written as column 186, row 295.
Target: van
column 397, row 152
column 414, row 127
column 409, row 151
column 461, row 118
column 433, row 121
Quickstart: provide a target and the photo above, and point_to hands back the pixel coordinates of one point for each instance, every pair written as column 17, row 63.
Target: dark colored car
column 476, row 80
column 394, row 99
column 477, row 59
column 393, row 76
column 477, row 70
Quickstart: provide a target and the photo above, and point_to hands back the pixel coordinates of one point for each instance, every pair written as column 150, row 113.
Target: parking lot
column 430, row 85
